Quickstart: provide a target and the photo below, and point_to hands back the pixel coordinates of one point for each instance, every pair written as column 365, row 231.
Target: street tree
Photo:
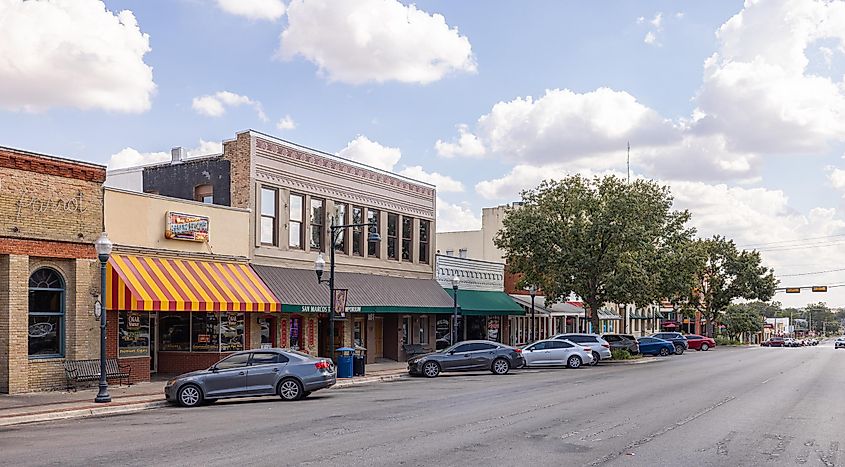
column 742, row 319
column 726, row 274
column 605, row 239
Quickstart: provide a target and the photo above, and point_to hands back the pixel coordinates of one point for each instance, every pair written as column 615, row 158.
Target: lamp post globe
column 319, row 266
column 104, row 247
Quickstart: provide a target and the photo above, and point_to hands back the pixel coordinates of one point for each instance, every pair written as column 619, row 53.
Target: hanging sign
column 340, row 296
column 189, row 227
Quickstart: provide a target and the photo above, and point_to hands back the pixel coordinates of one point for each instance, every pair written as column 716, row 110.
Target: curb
column 379, row 379
column 639, row 361
column 81, row 413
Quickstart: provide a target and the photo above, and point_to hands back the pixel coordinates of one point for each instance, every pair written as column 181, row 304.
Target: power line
column 809, row 273
column 789, row 241
column 802, row 247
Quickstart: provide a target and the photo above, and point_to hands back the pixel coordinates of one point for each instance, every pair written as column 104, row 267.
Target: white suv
column 840, row 342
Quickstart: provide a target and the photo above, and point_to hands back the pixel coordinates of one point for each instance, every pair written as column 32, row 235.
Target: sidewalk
column 57, row 405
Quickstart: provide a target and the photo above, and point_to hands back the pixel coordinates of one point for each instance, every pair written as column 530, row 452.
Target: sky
column 738, row 106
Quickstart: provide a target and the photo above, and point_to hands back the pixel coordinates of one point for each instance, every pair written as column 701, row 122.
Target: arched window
column 46, row 314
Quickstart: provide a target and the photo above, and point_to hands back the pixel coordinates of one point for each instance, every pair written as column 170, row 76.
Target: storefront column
column 14, row 321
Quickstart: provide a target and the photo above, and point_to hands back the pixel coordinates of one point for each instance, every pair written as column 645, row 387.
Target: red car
column 774, row 342
column 700, row 342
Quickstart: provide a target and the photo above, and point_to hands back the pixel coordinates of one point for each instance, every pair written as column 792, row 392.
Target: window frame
column 61, row 314
column 357, row 231
column 321, row 225
column 425, row 252
column 407, row 243
column 274, row 217
column 393, row 239
column 203, row 191
column 300, row 222
column 343, row 240
column 377, row 244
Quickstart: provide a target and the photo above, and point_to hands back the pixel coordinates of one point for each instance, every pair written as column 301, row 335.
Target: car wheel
column 705, row 347
column 574, row 362
column 664, row 352
column 500, row 366
column 596, row 358
column 679, row 350
column 290, row 390
column 189, row 395
column 431, row 369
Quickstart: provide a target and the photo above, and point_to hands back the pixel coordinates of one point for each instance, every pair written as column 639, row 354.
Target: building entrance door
column 267, row 326
column 378, row 352
column 153, row 342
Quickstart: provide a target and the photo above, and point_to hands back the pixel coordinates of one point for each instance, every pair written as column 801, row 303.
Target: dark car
column 676, row 338
column 702, row 343
column 286, row 373
column 655, row 346
column 773, row 342
column 622, row 342
column 468, row 356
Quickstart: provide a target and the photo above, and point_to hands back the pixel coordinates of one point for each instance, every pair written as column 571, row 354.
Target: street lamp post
column 533, row 291
column 320, row 265
column 456, row 281
column 103, row 246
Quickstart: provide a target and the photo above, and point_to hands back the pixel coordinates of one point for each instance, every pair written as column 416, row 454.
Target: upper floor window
column 462, row 253
column 373, row 247
column 204, row 193
column 407, row 237
column 392, row 234
column 340, row 219
column 46, row 314
column 450, row 252
column 425, row 227
column 317, row 227
column 269, row 213
column 297, row 214
column 357, row 232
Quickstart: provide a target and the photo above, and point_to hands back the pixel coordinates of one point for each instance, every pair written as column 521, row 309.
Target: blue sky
column 739, row 107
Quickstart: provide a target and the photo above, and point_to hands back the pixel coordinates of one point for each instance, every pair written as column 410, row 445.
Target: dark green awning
column 486, row 303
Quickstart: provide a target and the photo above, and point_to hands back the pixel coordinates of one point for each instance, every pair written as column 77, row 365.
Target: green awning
column 486, row 303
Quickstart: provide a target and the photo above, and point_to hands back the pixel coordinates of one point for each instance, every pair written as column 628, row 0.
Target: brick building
column 50, row 215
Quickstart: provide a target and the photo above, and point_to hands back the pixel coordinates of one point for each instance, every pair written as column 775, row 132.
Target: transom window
column 46, row 314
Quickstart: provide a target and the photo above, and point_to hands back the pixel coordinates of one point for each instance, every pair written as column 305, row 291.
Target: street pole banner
column 340, row 303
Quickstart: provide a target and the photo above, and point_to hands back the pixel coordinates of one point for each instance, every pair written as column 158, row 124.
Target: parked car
column 703, row 343
column 676, row 338
column 789, row 342
column 557, row 352
column 286, row 373
column 600, row 347
column 655, row 346
column 775, row 341
column 814, row 341
column 839, row 343
column 468, row 356
column 622, row 342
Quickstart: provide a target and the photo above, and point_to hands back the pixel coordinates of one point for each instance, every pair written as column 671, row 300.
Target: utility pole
column 629, row 162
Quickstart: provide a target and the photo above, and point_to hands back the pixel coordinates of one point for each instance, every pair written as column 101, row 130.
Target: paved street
column 744, row 406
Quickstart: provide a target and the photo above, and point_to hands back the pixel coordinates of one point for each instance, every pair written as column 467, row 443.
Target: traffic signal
column 819, row 288
column 793, row 290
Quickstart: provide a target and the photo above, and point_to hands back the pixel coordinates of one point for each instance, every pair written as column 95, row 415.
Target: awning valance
column 146, row 283
column 557, row 309
column 367, row 293
column 486, row 303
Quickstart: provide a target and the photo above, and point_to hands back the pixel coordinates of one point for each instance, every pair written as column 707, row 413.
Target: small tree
column 742, row 319
column 602, row 238
column 726, row 274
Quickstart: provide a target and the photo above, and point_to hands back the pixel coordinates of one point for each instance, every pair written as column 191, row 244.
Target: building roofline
column 469, row 259
column 163, row 164
column 51, row 157
column 178, row 200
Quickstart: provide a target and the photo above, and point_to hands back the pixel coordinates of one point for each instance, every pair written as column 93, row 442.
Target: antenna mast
column 629, row 162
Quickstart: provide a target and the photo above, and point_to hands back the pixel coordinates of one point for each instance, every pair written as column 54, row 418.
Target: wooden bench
column 89, row 370
column 412, row 350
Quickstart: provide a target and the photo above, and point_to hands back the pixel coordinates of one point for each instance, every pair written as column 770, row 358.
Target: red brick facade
column 47, row 249
column 47, row 165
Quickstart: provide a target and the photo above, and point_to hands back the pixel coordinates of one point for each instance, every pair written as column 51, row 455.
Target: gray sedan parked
column 468, row 356
column 286, row 373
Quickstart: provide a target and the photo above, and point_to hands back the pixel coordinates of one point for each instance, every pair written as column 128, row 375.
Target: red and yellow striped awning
column 145, row 283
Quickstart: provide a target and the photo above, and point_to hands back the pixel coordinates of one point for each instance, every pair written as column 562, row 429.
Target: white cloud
column 650, row 39
column 836, row 177
column 756, row 88
column 657, row 21
column 286, row 123
column 131, row 157
column 444, row 183
column 467, row 145
column 214, row 105
column 72, row 53
column 371, row 153
column 374, row 41
column 455, row 217
column 254, row 9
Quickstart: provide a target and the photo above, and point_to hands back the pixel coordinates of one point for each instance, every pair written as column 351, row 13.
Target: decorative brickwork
column 39, row 163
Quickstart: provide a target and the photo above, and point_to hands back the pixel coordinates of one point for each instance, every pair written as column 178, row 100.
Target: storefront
column 383, row 313
column 484, row 314
column 172, row 315
column 547, row 320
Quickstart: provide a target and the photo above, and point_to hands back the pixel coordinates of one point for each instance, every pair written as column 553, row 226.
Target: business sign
column 189, row 227
column 323, row 309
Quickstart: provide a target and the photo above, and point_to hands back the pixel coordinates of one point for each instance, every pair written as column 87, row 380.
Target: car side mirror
column 214, row 369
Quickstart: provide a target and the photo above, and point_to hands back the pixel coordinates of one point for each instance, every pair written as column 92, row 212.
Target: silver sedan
column 557, row 352
column 290, row 375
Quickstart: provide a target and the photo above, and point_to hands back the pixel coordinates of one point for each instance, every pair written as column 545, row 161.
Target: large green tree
column 725, row 274
column 740, row 319
column 605, row 239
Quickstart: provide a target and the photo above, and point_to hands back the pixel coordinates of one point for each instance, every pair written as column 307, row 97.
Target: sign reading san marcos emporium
column 189, row 227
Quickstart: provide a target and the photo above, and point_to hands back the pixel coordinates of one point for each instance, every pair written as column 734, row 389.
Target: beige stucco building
column 477, row 244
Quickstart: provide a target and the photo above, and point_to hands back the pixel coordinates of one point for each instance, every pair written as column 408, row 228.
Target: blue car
column 655, row 346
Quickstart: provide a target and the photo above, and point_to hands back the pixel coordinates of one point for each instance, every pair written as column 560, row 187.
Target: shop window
column 174, row 331
column 133, row 334
column 392, row 233
column 406, row 329
column 231, row 332
column 493, row 329
column 204, row 194
column 340, row 219
column 317, row 232
column 267, row 333
column 46, row 314
column 205, row 332
column 423, row 330
column 425, row 227
column 268, row 216
column 358, row 332
column 373, row 247
column 407, row 237
column 295, row 333
column 442, row 331
column 357, row 232
column 297, row 213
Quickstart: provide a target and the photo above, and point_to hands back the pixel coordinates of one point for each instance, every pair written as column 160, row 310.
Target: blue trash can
column 345, row 362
